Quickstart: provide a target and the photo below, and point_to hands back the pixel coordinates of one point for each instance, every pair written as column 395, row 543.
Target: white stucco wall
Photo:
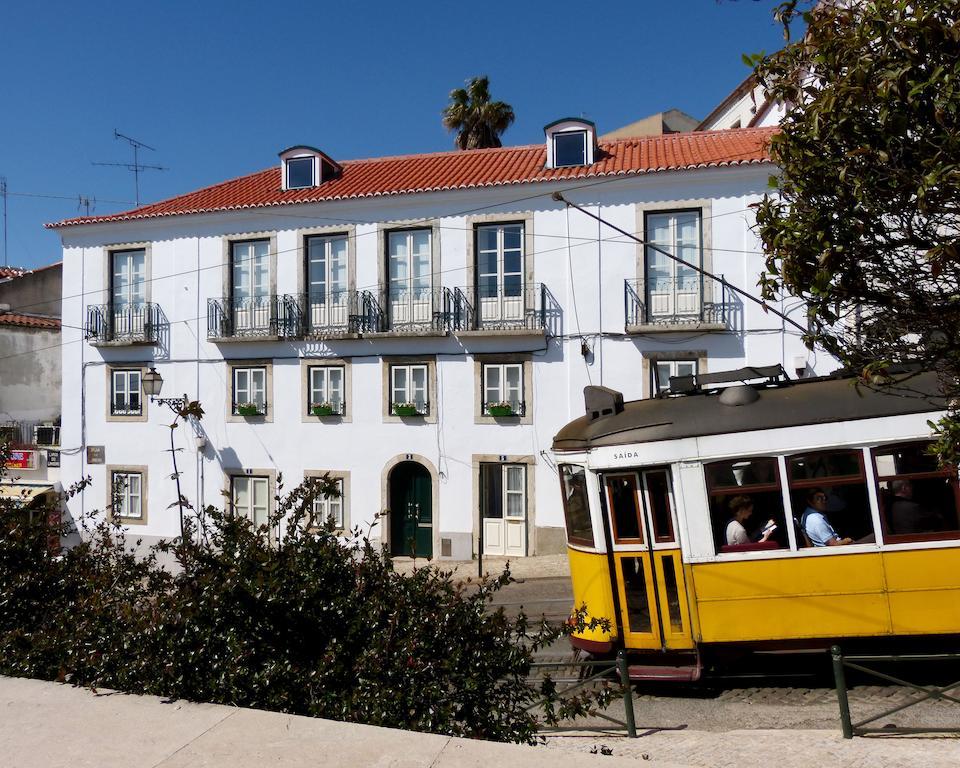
column 583, row 264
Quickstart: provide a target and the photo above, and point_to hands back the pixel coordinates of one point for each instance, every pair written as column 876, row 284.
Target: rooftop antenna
column 3, row 194
column 86, row 203
column 136, row 166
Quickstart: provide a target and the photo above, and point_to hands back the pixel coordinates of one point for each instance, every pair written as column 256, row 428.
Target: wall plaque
column 95, row 454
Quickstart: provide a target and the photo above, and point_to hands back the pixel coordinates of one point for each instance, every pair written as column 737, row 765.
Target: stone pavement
column 536, row 567
column 48, row 725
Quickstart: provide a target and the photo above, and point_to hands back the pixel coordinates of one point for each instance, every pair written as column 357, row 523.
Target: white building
column 433, row 285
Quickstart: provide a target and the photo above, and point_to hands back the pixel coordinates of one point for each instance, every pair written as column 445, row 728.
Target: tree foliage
column 864, row 224
column 477, row 120
column 312, row 624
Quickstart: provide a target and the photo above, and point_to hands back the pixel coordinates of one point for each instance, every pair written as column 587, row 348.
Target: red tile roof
column 6, row 272
column 29, row 321
column 462, row 170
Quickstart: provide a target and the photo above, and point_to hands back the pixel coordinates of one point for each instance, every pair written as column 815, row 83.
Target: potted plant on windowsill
column 324, row 409
column 405, row 409
column 502, row 408
column 248, row 409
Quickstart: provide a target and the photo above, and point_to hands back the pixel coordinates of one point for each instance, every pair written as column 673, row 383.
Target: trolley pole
column 840, row 681
column 628, row 717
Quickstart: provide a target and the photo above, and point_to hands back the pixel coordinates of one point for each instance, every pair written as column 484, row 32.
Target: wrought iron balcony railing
column 130, row 323
column 418, row 310
column 676, row 302
column 506, row 306
column 338, row 313
column 253, row 317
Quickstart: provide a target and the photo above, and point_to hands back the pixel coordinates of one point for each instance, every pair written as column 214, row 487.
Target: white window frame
column 302, row 159
column 517, row 470
column 683, row 281
column 249, row 510
column 131, row 503
column 332, row 291
column 674, row 366
column 501, row 390
column 407, row 393
column 123, row 376
column 565, row 134
column 324, row 508
column 321, row 392
column 251, row 388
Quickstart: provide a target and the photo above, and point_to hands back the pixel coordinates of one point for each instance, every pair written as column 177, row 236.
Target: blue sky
column 218, row 88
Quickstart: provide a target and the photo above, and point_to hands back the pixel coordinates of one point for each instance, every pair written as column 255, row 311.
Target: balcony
column 506, row 309
column 677, row 304
column 107, row 324
column 339, row 314
column 257, row 317
column 412, row 311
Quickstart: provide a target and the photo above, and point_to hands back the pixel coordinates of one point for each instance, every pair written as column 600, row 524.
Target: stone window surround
column 526, row 219
column 227, row 242
column 479, row 417
column 236, row 418
column 112, row 248
column 488, row 458
column 144, row 400
column 700, row 355
column 302, row 235
column 144, row 506
column 704, row 206
column 270, row 474
column 383, row 254
column 344, row 476
column 306, row 363
column 433, row 397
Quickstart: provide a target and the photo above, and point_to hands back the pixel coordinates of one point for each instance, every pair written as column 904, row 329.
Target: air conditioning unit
column 46, row 434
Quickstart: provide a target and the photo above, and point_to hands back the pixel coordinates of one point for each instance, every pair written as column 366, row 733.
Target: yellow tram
column 649, row 488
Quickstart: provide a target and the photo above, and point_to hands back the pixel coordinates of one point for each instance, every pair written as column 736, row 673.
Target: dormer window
column 569, row 148
column 306, row 167
column 571, row 142
column 300, row 172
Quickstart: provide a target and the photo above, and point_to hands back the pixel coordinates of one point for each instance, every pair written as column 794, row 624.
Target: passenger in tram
column 815, row 523
column 906, row 515
column 736, row 533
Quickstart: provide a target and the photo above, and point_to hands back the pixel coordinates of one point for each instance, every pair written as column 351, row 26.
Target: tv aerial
column 136, row 166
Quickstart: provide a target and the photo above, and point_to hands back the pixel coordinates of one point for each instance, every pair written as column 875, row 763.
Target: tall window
column 576, row 504
column 746, row 492
column 327, row 281
column 672, row 289
column 409, row 389
column 409, row 267
column 662, row 370
column 326, row 388
column 125, row 395
column 918, row 499
column 250, row 496
column 128, row 495
column 500, row 272
column 250, row 391
column 128, row 292
column 250, row 267
column 503, row 389
column 325, row 509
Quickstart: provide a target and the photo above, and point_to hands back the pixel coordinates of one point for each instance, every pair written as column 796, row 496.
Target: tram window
column 735, row 485
column 576, row 505
column 622, row 494
column 839, row 475
column 635, row 591
column 918, row 498
column 658, row 491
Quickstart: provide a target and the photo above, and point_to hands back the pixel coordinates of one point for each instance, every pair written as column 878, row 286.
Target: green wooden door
column 411, row 511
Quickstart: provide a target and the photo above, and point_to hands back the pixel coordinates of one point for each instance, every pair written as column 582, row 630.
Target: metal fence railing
column 255, row 316
column 504, row 306
column 676, row 301
column 601, row 672
column 128, row 322
column 841, row 663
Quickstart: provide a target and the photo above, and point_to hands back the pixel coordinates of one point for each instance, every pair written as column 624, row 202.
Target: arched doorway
column 411, row 510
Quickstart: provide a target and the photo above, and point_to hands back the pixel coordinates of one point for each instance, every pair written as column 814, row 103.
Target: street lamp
column 152, row 382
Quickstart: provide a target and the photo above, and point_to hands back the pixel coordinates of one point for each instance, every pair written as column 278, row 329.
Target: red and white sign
column 22, row 460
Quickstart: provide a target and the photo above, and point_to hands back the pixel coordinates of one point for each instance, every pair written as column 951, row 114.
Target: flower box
column 323, row 409
column 500, row 409
column 248, row 409
column 405, row 409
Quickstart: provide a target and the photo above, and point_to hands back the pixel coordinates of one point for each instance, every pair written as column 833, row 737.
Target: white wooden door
column 673, row 290
column 500, row 273
column 128, row 294
column 503, row 511
column 411, row 278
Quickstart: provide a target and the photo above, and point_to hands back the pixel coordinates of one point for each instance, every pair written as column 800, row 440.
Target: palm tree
column 477, row 120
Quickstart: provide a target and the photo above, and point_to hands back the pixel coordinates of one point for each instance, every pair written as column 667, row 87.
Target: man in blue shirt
column 815, row 523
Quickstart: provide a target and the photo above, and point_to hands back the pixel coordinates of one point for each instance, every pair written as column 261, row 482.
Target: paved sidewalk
column 536, row 567
column 48, row 725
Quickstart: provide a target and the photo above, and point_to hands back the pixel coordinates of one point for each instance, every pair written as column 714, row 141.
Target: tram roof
column 788, row 404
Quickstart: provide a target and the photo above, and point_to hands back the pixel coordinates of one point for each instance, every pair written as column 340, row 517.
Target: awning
column 23, row 493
